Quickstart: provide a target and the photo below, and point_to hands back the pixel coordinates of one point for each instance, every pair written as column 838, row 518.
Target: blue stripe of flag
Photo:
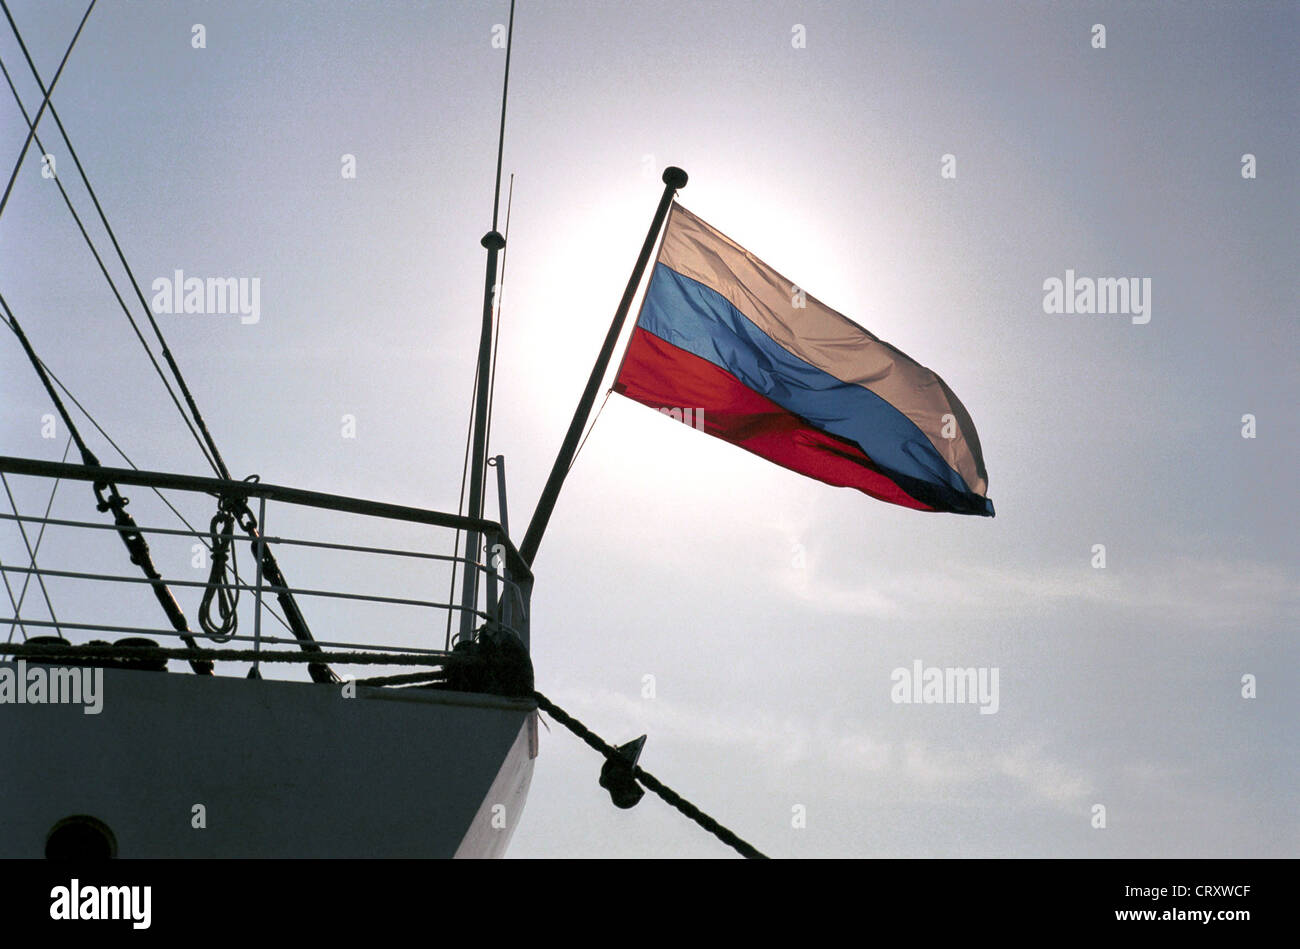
column 700, row 320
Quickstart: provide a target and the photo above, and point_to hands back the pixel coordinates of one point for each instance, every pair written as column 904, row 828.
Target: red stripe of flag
column 661, row 375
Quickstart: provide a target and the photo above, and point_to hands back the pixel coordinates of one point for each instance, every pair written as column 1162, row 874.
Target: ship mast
column 493, row 242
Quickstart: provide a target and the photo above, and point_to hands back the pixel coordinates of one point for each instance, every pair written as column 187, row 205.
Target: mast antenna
column 501, row 135
column 493, row 242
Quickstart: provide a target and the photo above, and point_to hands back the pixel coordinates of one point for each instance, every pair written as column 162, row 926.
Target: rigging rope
column 45, row 102
column 319, row 673
column 17, row 618
column 32, row 556
column 111, row 283
column 108, row 498
column 14, row 325
column 36, row 549
column 215, row 458
column 651, row 783
column 131, row 463
column 591, row 428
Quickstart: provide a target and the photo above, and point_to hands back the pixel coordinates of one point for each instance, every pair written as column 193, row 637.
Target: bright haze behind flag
column 757, row 363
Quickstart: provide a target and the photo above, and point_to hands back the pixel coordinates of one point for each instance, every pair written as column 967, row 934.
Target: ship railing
column 505, row 579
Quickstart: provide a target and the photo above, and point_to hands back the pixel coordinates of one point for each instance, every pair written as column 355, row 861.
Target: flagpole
column 674, row 179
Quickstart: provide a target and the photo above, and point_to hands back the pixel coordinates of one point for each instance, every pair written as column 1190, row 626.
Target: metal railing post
column 257, row 610
column 493, row 603
column 502, row 606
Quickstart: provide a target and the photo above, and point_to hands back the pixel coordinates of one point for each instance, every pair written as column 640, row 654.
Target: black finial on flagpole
column 674, row 177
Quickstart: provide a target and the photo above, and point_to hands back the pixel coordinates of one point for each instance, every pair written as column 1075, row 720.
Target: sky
column 748, row 620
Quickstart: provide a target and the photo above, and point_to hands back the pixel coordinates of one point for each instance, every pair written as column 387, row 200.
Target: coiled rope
column 219, row 587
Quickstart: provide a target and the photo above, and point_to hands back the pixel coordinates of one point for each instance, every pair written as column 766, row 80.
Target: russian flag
column 723, row 336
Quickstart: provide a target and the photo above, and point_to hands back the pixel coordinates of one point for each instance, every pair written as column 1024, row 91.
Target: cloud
column 902, row 769
column 1182, row 591
column 1044, row 778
